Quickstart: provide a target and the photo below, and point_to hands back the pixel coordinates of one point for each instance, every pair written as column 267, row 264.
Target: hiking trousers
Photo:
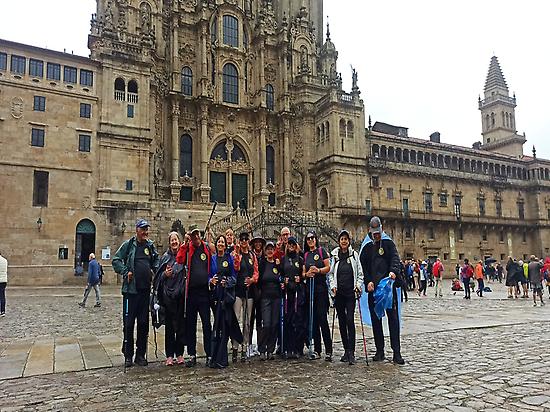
column 138, row 312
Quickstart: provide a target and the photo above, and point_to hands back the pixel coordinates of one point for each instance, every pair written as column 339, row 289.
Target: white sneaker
column 2, row 315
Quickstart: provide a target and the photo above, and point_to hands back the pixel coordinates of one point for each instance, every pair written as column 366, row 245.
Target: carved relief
column 17, row 107
column 188, row 5
column 186, row 53
column 270, row 73
column 145, row 18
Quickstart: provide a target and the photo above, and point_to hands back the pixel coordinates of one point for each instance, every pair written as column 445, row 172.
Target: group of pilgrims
column 269, row 298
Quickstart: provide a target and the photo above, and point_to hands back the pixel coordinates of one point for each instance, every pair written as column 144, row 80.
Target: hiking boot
column 378, row 356
column 128, row 363
column 270, row 356
column 345, row 357
column 243, row 356
column 398, row 359
column 97, row 305
column 141, row 361
column 328, row 357
column 2, row 315
column 263, row 357
column 191, row 362
column 351, row 359
column 82, row 305
column 234, row 355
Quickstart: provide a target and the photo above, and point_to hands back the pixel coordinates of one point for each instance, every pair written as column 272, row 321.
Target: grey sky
column 421, row 64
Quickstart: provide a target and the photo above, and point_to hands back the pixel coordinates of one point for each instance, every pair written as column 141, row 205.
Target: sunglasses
column 310, row 238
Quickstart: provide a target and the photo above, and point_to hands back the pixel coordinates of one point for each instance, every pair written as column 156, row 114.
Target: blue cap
column 142, row 223
column 292, row 239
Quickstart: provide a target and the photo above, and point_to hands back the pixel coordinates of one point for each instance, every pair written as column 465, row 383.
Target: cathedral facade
column 185, row 103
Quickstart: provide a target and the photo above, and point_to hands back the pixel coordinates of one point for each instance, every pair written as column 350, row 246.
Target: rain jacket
column 355, row 265
column 378, row 259
column 123, row 262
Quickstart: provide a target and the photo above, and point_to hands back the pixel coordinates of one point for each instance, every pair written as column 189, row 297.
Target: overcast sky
column 421, row 64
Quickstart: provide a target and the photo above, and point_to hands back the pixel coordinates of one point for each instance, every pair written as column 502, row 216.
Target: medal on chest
column 203, row 256
column 275, row 270
column 146, row 251
column 250, row 261
column 381, row 251
column 225, row 264
column 316, row 257
column 296, row 264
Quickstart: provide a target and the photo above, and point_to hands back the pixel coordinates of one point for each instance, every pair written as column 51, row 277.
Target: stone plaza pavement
column 488, row 353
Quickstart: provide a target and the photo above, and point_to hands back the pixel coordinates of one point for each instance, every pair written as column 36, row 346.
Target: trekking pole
column 245, row 320
column 210, row 218
column 362, row 330
column 125, row 330
column 311, row 289
column 333, row 318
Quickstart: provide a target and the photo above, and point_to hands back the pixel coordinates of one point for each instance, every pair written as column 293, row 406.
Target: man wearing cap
column 246, row 266
column 136, row 260
column 196, row 255
column 379, row 259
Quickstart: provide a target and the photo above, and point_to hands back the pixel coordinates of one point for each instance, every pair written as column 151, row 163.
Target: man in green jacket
column 137, row 261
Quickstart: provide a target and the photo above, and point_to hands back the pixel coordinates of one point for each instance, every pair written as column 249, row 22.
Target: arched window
column 492, row 120
column 270, row 164
column 219, row 152
column 342, row 128
column 120, row 89
column 327, row 130
column 487, row 122
column 318, row 134
column 230, row 84
column 187, row 81
column 237, row 154
column 269, row 97
column 132, row 91
column 230, row 31
column 186, row 156
column 350, row 129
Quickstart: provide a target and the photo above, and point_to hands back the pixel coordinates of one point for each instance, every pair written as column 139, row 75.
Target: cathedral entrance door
column 239, row 190
column 84, row 242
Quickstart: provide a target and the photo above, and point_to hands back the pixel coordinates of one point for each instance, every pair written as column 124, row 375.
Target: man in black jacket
column 380, row 259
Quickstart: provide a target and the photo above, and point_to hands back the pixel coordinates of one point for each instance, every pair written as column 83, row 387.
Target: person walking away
column 222, row 284
column 3, row 284
column 479, row 273
column 196, row 254
column 246, row 267
column 346, row 283
column 317, row 265
column 136, row 260
column 169, row 284
column 295, row 326
column 535, row 278
column 380, row 259
column 423, row 279
column 270, row 284
column 466, row 273
column 93, row 282
column 429, row 271
column 438, row 270
column 525, row 279
column 511, row 281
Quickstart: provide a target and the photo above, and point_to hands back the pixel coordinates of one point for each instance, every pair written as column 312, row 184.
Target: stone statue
column 354, row 78
column 145, row 18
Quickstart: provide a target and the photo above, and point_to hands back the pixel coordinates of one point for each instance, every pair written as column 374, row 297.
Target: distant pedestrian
column 136, row 260
column 3, row 283
column 438, row 270
column 512, row 276
column 466, row 273
column 535, row 278
column 93, row 282
column 423, row 279
column 479, row 272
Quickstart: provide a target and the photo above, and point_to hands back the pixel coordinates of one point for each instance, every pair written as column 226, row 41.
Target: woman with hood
column 511, row 277
column 169, row 285
column 222, row 284
column 346, row 284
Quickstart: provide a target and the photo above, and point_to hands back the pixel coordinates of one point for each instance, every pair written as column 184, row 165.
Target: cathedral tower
column 498, row 116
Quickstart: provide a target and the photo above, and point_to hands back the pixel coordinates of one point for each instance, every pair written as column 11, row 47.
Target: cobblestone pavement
column 483, row 354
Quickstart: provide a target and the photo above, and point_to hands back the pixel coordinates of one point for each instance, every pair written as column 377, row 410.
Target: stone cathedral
column 183, row 103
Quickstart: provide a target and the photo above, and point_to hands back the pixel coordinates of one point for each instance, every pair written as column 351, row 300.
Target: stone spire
column 495, row 78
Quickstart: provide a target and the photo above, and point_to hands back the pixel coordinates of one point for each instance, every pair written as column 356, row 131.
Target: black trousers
column 480, row 286
column 198, row 304
column 3, row 297
column 393, row 323
column 271, row 309
column 466, row 288
column 320, row 322
column 137, row 306
column 174, row 340
column 345, row 310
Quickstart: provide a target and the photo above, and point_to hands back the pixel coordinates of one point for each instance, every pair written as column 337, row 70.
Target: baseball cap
column 375, row 225
column 269, row 244
column 194, row 228
column 311, row 233
column 142, row 223
column 292, row 239
column 244, row 236
column 343, row 232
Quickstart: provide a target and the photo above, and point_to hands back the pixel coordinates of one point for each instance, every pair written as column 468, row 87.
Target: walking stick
column 125, row 328
column 245, row 320
column 282, row 325
column 210, row 218
column 311, row 290
column 363, row 331
column 333, row 318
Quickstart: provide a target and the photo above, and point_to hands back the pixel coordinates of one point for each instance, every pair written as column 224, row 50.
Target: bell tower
column 498, row 117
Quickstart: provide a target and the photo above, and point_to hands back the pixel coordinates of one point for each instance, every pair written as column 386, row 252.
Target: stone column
column 175, row 185
column 286, row 155
column 204, row 187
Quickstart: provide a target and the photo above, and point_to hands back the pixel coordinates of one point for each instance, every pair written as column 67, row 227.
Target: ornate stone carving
column 187, row 53
column 145, row 18
column 187, row 5
column 231, row 125
column 270, row 73
column 17, row 107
